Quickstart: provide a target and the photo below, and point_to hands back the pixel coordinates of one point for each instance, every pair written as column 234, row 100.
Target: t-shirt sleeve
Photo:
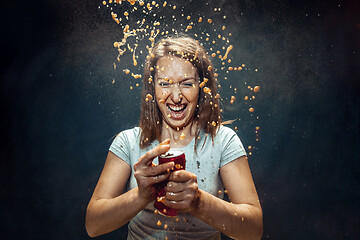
column 120, row 146
column 232, row 147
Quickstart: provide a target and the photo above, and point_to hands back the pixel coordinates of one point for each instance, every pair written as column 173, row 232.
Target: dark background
column 60, row 111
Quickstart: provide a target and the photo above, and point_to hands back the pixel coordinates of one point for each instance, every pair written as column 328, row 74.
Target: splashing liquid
column 143, row 22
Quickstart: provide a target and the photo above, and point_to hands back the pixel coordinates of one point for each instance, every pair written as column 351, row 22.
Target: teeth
column 176, row 108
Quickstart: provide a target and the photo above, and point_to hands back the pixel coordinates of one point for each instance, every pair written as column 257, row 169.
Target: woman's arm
column 240, row 219
column 109, row 207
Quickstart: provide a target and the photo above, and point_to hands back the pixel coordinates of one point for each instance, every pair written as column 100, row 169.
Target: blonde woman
column 181, row 111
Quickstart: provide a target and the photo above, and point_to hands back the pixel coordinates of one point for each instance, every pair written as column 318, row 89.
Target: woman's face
column 176, row 90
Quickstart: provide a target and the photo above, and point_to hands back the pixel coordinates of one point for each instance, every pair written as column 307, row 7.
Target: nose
column 176, row 95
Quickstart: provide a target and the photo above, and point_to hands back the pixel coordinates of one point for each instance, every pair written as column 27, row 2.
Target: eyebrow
column 182, row 80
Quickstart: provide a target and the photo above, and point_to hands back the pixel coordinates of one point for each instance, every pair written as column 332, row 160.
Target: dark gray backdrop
column 60, row 111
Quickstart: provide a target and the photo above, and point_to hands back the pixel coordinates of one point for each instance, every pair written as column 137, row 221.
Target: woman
column 180, row 109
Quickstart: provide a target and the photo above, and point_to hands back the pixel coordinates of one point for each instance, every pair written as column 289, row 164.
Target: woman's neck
column 179, row 137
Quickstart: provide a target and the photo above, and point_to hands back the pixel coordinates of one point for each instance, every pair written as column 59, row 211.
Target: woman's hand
column 147, row 174
column 182, row 191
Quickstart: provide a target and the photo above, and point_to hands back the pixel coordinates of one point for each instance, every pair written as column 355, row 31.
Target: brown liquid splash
column 140, row 34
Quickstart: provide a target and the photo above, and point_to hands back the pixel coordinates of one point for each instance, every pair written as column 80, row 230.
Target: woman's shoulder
column 131, row 133
column 125, row 144
column 224, row 134
column 224, row 130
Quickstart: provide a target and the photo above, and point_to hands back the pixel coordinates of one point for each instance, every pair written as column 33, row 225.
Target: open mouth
column 176, row 111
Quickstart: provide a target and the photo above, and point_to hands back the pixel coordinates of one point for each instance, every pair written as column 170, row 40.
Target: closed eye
column 188, row 83
column 164, row 84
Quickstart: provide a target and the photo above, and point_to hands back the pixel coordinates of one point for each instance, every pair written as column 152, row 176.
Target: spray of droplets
column 142, row 23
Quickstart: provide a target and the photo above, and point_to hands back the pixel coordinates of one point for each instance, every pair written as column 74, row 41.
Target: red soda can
column 178, row 157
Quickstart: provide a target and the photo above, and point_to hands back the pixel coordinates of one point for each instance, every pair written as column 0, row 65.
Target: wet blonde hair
column 207, row 115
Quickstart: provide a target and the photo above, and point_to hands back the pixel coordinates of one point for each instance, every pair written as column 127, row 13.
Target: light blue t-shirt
column 205, row 163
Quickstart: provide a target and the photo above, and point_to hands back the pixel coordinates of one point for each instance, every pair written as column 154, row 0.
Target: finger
column 183, row 201
column 159, row 169
column 182, row 205
column 158, row 178
column 175, row 196
column 178, row 187
column 175, row 187
column 148, row 157
column 165, row 142
column 181, row 176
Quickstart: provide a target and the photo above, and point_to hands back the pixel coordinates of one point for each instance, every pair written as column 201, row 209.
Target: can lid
column 172, row 153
